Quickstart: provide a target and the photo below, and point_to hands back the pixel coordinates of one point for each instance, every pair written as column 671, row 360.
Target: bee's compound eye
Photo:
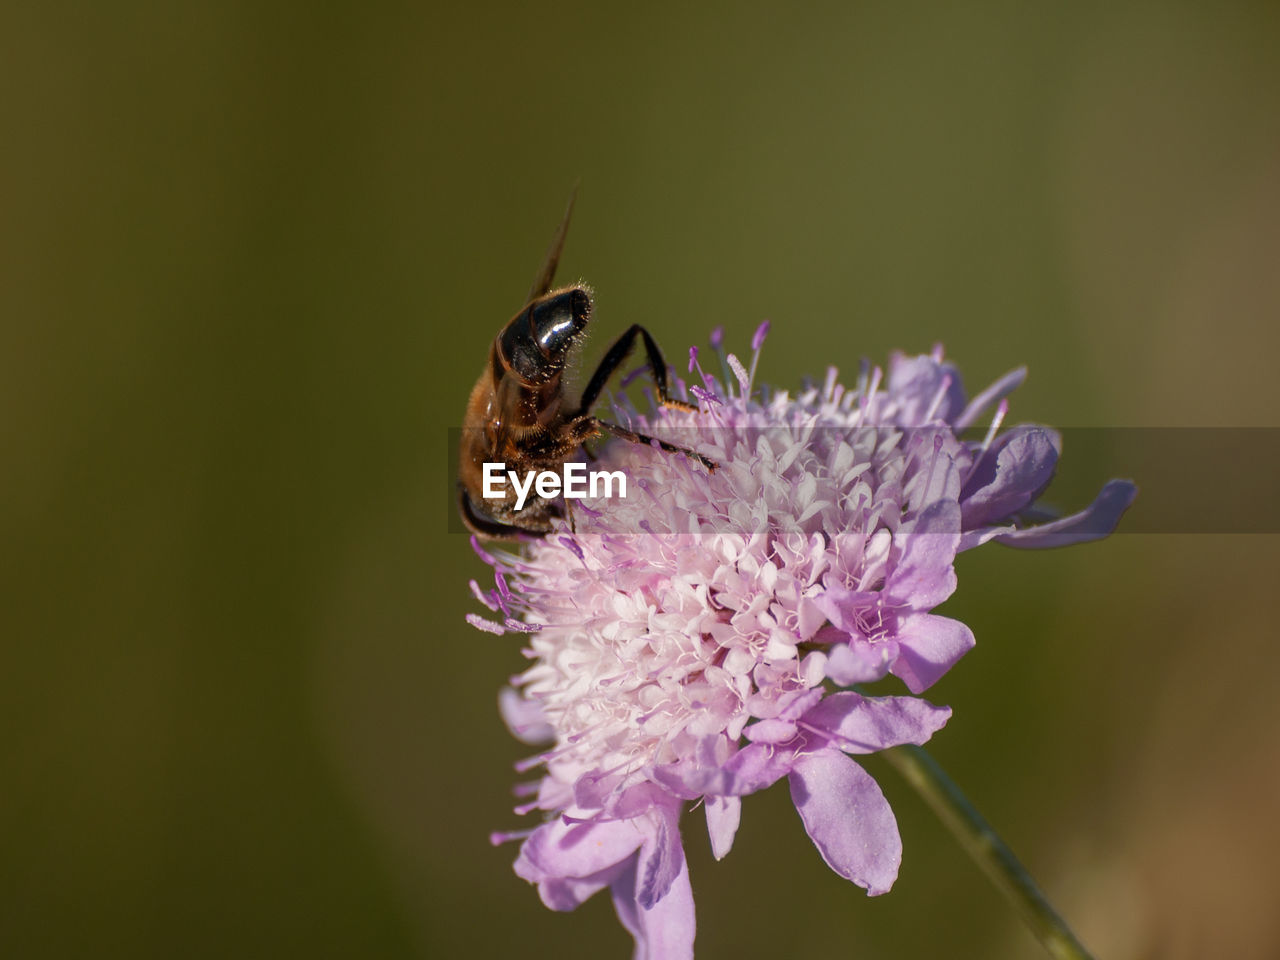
column 580, row 305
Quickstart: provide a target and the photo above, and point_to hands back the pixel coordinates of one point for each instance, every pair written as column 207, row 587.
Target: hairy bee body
column 517, row 413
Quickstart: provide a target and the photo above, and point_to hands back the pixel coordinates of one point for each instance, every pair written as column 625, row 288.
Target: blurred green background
column 251, row 258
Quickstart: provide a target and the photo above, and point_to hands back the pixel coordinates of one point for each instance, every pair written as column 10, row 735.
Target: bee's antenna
column 542, row 283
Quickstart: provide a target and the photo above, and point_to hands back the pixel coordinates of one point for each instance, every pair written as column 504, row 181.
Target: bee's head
column 536, row 343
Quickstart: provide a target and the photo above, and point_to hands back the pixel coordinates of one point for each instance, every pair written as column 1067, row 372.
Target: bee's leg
column 614, row 358
column 643, row 438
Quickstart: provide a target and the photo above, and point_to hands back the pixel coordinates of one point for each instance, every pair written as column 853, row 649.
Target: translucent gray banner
column 1189, row 479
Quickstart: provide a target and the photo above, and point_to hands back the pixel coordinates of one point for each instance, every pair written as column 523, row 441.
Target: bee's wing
column 542, row 283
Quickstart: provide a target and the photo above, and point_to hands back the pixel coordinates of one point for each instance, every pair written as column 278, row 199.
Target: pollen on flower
column 696, row 640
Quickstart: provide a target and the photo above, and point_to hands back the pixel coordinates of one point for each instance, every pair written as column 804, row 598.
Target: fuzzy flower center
column 690, row 609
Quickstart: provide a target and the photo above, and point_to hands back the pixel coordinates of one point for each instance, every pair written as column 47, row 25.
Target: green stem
column 997, row 861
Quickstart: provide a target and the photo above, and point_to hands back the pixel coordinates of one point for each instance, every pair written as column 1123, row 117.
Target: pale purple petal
column 666, row 930
column 843, row 607
column 858, row 724
column 640, row 800
column 701, row 772
column 924, row 390
column 928, row 646
column 797, row 704
column 524, row 718
column 623, row 891
column 1094, row 522
column 661, row 859
column 755, row 767
column 936, row 477
column 809, row 618
column 559, row 849
column 993, row 394
column 1009, row 476
column 976, row 538
column 924, row 575
column 723, row 816
column 592, row 790
column 860, row 661
column 848, row 819
column 569, row 893
column 689, row 781
column 770, row 731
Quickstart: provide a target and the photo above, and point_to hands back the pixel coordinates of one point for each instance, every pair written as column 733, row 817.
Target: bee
column 518, row 414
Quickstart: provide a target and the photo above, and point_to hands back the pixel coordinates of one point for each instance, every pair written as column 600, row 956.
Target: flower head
column 696, row 640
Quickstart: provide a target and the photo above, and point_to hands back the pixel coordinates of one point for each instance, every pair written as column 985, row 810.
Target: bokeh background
column 251, row 257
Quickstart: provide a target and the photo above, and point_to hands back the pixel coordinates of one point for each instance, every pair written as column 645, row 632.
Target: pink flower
column 690, row 642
